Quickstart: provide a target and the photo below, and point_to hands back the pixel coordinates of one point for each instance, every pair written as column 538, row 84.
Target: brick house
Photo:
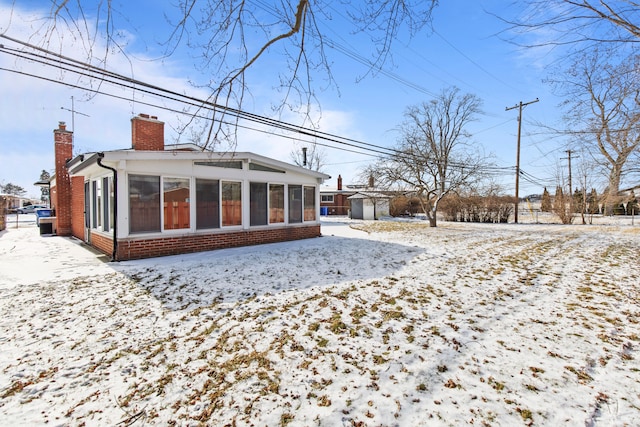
column 358, row 201
column 155, row 199
column 334, row 200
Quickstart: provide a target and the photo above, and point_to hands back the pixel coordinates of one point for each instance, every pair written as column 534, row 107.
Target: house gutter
column 114, row 254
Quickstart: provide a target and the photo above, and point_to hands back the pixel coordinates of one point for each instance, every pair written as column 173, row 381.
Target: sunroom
column 150, row 203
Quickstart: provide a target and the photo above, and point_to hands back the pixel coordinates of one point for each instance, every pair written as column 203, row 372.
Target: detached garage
column 369, row 205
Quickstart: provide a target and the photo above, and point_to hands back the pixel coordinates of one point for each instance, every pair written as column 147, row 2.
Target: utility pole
column 584, row 200
column 570, row 186
column 519, row 107
column 73, row 114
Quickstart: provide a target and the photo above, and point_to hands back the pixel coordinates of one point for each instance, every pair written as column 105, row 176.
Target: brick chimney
column 147, row 133
column 63, row 148
column 339, row 182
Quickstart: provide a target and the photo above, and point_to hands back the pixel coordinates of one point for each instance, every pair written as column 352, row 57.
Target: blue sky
column 464, row 51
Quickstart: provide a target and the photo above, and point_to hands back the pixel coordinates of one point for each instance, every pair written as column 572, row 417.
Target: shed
column 369, row 205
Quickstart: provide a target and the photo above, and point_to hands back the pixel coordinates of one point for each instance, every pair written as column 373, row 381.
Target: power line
column 91, row 71
column 534, row 180
column 472, row 61
column 173, row 110
column 495, row 170
column 87, row 70
column 354, row 55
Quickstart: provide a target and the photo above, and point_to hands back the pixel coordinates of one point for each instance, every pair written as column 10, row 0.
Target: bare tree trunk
column 614, row 188
column 431, row 210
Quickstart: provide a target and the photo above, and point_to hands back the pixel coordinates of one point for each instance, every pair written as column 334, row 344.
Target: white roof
column 84, row 161
column 369, row 195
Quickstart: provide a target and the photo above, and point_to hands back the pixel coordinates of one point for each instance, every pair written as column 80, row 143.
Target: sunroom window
column 109, row 203
column 295, row 204
column 176, row 203
column 258, row 203
column 276, row 203
column 144, row 203
column 207, row 203
column 309, row 203
column 231, row 203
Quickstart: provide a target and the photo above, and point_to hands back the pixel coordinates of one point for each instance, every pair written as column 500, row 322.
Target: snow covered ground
column 374, row 324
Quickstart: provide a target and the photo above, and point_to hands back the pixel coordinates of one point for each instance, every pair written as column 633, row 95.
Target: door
column 356, row 209
column 87, row 210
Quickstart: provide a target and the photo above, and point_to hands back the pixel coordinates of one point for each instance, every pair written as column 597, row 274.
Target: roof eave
column 81, row 162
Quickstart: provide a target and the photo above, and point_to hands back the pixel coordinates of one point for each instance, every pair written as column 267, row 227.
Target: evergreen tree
column 558, row 200
column 546, row 201
column 13, row 189
column 44, row 176
column 578, row 201
column 592, row 202
column 561, row 206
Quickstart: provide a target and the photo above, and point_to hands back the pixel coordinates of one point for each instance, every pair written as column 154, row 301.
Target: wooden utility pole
column 569, row 159
column 519, row 107
column 570, row 184
column 584, row 200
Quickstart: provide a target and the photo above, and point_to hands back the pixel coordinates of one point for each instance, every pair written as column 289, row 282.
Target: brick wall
column 147, row 133
column 102, row 243
column 146, row 248
column 77, row 207
column 63, row 150
column 339, row 206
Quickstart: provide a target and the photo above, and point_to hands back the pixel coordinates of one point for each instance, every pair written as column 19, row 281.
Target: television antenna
column 73, row 114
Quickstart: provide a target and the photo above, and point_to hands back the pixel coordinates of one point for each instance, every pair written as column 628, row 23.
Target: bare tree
column 601, row 88
column 571, row 22
column 603, row 104
column 562, row 206
column 231, row 37
column 586, row 181
column 433, row 156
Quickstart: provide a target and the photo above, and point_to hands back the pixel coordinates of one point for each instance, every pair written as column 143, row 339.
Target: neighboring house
column 369, row 205
column 358, row 201
column 630, row 193
column 10, row 202
column 14, row 202
column 154, row 200
column 334, row 200
column 629, row 205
